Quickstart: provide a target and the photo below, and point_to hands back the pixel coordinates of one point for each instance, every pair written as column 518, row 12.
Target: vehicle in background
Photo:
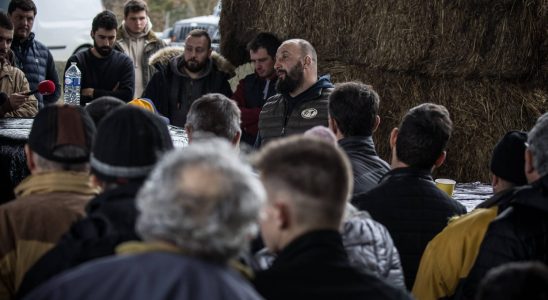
column 209, row 23
column 64, row 27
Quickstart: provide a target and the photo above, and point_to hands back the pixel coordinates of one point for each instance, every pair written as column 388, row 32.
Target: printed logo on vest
column 309, row 113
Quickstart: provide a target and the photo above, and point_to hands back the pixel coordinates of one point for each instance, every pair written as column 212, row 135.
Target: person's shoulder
column 41, row 46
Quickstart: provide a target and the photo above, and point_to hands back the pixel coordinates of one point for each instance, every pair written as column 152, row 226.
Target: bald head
column 296, row 66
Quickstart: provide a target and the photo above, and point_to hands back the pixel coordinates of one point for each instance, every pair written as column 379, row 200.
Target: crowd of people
column 280, row 193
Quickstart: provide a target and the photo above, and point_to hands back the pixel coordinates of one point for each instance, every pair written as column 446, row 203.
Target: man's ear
column 332, row 124
column 393, row 137
column 307, row 61
column 283, row 216
column 31, row 164
column 236, row 138
column 209, row 52
column 188, row 131
column 377, row 123
column 440, row 159
column 529, row 168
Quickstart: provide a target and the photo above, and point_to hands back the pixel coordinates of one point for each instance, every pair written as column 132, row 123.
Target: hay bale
column 481, row 110
column 485, row 60
column 497, row 38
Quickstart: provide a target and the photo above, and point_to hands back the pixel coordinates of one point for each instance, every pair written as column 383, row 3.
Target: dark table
column 14, row 133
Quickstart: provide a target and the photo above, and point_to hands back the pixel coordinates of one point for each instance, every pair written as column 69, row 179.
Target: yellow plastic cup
column 446, row 185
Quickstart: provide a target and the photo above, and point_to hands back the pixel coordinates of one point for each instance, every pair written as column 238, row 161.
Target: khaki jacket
column 45, row 207
column 13, row 80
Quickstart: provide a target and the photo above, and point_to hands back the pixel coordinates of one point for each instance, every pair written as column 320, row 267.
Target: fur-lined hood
column 164, row 55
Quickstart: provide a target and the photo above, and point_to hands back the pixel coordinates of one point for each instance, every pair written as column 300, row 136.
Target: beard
column 194, row 66
column 293, row 79
column 104, row 51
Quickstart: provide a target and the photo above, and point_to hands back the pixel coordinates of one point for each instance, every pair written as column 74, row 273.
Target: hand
column 87, row 92
column 17, row 99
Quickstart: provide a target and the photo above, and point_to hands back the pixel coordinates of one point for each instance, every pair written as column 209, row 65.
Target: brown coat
column 13, row 80
column 46, row 206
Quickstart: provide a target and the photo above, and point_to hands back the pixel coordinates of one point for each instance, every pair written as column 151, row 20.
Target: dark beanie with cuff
column 129, row 142
column 58, row 126
column 508, row 158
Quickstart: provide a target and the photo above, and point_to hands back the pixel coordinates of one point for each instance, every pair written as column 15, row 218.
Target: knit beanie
column 58, row 126
column 129, row 142
column 507, row 161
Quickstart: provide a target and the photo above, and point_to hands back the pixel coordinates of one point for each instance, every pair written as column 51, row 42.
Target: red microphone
column 45, row 87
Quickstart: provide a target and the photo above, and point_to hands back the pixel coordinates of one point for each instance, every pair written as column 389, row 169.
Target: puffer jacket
column 35, row 60
column 173, row 91
column 152, row 45
column 12, row 80
column 370, row 247
column 283, row 115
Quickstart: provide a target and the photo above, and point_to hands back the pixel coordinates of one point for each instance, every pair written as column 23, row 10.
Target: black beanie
column 508, row 159
column 129, row 142
column 56, row 126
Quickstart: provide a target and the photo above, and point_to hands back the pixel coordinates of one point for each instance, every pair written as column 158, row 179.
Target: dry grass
column 485, row 60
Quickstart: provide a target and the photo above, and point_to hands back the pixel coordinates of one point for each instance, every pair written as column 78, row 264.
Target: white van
column 63, row 26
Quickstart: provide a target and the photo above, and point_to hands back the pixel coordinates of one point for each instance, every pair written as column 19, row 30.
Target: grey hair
column 537, row 139
column 203, row 199
column 215, row 113
column 66, row 151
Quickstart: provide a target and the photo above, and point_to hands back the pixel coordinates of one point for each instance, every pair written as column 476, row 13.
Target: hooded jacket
column 173, row 91
column 151, row 45
column 520, row 233
column 35, row 60
column 283, row 115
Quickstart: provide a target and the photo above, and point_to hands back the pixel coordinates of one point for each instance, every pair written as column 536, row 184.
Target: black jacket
column 283, row 115
column 367, row 167
column 413, row 210
column 35, row 60
column 315, row 266
column 173, row 91
column 110, row 222
column 112, row 75
column 520, row 233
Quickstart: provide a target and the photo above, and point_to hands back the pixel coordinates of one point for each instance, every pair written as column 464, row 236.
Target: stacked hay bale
column 485, row 60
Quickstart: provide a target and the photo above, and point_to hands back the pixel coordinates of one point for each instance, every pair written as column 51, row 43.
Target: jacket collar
column 407, row 172
column 59, row 181
column 363, row 144
column 535, row 195
column 119, row 193
column 314, row 246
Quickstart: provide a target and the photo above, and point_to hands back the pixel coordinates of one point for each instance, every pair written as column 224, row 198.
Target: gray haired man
column 197, row 211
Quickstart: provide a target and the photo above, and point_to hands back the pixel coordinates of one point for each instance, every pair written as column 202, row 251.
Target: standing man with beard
column 252, row 91
column 31, row 56
column 187, row 77
column 138, row 41
column 104, row 72
column 12, row 80
column 302, row 100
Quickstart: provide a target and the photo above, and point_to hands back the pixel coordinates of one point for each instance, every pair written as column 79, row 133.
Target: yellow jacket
column 449, row 257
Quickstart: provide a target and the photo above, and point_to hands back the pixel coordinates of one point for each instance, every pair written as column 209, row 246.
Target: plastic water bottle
column 72, row 85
